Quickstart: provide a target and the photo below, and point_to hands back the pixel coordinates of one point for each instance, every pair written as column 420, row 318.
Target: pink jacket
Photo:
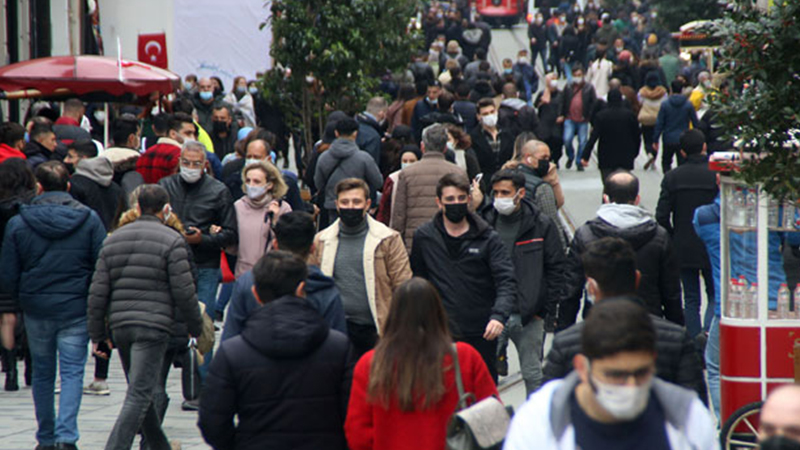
column 255, row 232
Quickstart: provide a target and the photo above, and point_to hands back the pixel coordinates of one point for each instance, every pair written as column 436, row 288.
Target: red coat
column 7, row 152
column 370, row 426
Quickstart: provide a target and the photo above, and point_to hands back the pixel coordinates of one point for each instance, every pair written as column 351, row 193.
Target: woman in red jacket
column 404, row 391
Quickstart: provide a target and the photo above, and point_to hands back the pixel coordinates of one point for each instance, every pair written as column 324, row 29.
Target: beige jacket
column 386, row 263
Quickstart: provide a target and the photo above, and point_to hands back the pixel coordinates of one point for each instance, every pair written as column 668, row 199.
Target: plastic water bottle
column 750, row 309
column 796, row 314
column 774, row 221
column 734, row 298
column 783, row 302
column 751, row 201
column 739, row 216
column 788, row 216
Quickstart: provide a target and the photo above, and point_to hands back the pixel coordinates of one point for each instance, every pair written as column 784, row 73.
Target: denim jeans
column 207, row 283
column 712, row 364
column 568, row 71
column 570, row 128
column 142, row 351
column 690, row 278
column 63, row 344
column 528, row 339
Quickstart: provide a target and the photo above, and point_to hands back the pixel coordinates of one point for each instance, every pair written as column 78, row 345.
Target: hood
column 288, row 327
column 99, row 169
column 677, row 100
column 54, row 215
column 514, row 103
column 119, row 156
column 343, row 148
column 367, row 120
column 653, row 94
column 472, row 35
column 629, row 222
column 317, row 281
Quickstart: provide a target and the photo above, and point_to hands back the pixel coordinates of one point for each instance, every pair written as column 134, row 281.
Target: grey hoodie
column 624, row 216
column 99, row 169
column 345, row 160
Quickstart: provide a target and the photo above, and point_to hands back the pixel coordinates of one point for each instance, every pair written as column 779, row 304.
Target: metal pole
column 105, row 126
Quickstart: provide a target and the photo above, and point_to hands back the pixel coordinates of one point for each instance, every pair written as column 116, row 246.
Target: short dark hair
column 84, row 148
column 295, row 233
column 514, row 176
column 456, row 180
column 11, row 133
column 485, row 102
column 178, row 119
column 621, row 190
column 346, row 126
column 53, row 176
column 182, row 105
column 617, row 326
column 152, row 199
column 446, row 100
column 222, row 106
column 611, row 262
column 39, row 129
column 676, row 86
column 278, row 273
column 160, row 123
column 480, row 54
column 576, row 67
column 692, row 141
column 16, row 179
column 348, row 184
column 123, row 127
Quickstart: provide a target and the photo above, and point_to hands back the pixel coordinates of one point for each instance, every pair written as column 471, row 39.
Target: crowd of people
column 418, row 233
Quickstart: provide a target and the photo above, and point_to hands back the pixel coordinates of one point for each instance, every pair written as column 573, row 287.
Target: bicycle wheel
column 740, row 431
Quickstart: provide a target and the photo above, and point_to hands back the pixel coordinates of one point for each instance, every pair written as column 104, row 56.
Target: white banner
column 215, row 37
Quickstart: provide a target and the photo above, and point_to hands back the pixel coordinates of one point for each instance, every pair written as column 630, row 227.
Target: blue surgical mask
column 253, row 90
column 404, row 165
column 273, row 157
column 508, row 71
column 27, row 137
column 206, row 96
column 241, row 90
column 188, row 86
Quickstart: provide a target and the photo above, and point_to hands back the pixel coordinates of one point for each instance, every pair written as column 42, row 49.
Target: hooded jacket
column 93, row 185
column 345, row 160
column 617, row 130
column 515, row 115
column 673, row 119
column 125, row 174
column 7, row 152
column 36, row 154
column 369, row 136
column 651, row 100
column 659, row 286
column 286, row 378
column 48, row 256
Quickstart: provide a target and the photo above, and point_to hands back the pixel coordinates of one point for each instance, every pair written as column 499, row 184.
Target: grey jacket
column 345, row 160
column 143, row 274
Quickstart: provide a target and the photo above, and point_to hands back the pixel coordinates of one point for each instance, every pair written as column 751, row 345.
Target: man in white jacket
column 613, row 399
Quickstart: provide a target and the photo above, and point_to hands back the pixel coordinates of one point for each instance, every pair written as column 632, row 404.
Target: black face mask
column 351, row 217
column 220, row 127
column 779, row 443
column 543, row 167
column 455, row 212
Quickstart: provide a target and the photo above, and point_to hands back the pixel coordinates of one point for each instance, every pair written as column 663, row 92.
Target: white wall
column 127, row 19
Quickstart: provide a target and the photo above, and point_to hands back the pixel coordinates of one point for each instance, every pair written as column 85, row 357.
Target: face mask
column 619, row 49
column 206, row 96
column 577, row 80
column 434, row 101
column 155, row 111
column 309, row 79
column 522, row 60
column 581, row 21
column 191, row 176
column 351, row 217
column 623, row 402
column 707, row 84
column 188, row 86
column 27, row 137
column 404, row 165
column 100, row 116
column 455, row 212
column 249, row 161
column 490, row 120
column 554, row 84
column 779, row 443
column 220, row 127
column 167, row 214
column 539, row 21
column 253, row 90
column 508, row 71
column 241, row 90
column 505, row 206
column 256, row 192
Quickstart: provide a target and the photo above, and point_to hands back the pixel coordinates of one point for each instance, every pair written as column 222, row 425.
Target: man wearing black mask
column 535, row 165
column 224, row 130
column 366, row 259
column 468, row 263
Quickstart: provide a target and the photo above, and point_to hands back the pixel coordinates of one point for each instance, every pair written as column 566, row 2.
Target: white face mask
column 490, row 120
column 249, row 161
column 100, row 116
column 167, row 213
column 539, row 20
column 191, row 176
column 256, row 192
column 155, row 111
column 522, row 60
column 451, row 146
column 623, row 402
column 505, row 206
column 554, row 84
column 577, row 80
column 404, row 165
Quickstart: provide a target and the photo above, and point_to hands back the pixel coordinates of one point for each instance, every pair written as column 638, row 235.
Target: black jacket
column 683, row 189
column 659, row 286
column 677, row 360
column 202, row 204
column 540, row 33
column 548, row 114
column 491, row 162
column 8, row 209
column 617, row 129
column 589, row 100
column 539, row 263
column 286, row 378
column 476, row 279
column 93, row 185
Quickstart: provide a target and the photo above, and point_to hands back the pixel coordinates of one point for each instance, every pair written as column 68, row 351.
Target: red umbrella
column 85, row 75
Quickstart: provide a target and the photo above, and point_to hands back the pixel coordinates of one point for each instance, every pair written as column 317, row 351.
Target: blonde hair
column 132, row 213
column 273, row 174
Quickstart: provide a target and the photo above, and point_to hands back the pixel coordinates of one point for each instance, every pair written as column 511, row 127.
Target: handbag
column 481, row 426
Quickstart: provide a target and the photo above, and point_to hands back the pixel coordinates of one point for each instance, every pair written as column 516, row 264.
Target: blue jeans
column 570, row 128
column 207, row 283
column 224, row 297
column 63, row 344
column 712, row 364
column 568, row 71
column 690, row 278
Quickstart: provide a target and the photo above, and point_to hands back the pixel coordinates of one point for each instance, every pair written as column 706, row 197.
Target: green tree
column 343, row 44
column 762, row 107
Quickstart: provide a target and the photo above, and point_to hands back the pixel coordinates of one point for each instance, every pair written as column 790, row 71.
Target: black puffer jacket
column 659, row 286
column 202, row 204
column 143, row 273
column 677, row 360
column 287, row 379
column 93, row 185
column 8, row 209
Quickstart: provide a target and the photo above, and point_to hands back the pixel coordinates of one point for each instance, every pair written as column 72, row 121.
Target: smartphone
column 190, row 231
column 478, row 178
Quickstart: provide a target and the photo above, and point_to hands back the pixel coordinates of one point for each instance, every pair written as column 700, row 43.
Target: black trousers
column 363, row 337
column 670, row 150
column 487, row 349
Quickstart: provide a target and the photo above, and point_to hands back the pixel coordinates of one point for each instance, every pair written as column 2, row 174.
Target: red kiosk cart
column 760, row 317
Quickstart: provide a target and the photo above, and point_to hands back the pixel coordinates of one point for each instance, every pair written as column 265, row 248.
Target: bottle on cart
column 750, row 206
column 788, row 216
column 783, row 302
column 739, row 210
column 750, row 303
column 774, row 219
column 734, row 299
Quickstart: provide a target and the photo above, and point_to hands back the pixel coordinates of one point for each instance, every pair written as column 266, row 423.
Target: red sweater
column 370, row 426
column 7, row 152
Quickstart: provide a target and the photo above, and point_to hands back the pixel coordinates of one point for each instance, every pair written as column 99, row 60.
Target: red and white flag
column 153, row 49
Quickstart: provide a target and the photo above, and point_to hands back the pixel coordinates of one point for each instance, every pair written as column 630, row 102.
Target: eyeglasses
column 622, row 376
column 194, row 164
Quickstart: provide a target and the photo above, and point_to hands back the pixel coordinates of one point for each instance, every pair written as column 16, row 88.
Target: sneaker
column 97, row 388
column 65, row 446
column 569, row 163
column 580, row 167
column 45, row 447
column 191, row 405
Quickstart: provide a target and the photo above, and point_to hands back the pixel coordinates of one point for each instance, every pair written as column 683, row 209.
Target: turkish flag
column 153, row 49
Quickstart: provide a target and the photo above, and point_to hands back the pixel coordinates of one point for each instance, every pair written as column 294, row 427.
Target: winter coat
column 618, row 131
column 492, row 162
column 143, row 274
column 68, row 130
column 159, row 161
column 286, row 379
column 48, row 256
column 243, row 105
column 369, row 137
column 36, row 154
column 516, row 116
column 7, row 152
column 548, row 114
column 659, row 287
column 8, row 209
column 677, row 359
column 421, row 109
column 539, row 32
column 205, row 110
column 589, row 100
column 674, row 118
column 714, row 132
column 321, row 293
column 467, row 112
column 345, row 160
column 93, row 185
column 415, row 196
column 543, row 196
column 539, row 262
column 683, row 190
column 254, row 231
column 651, row 100
column 125, row 174
column 202, row 204
column 477, row 282
column 545, row 418
column 598, row 75
column 386, row 264
column 371, row 426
